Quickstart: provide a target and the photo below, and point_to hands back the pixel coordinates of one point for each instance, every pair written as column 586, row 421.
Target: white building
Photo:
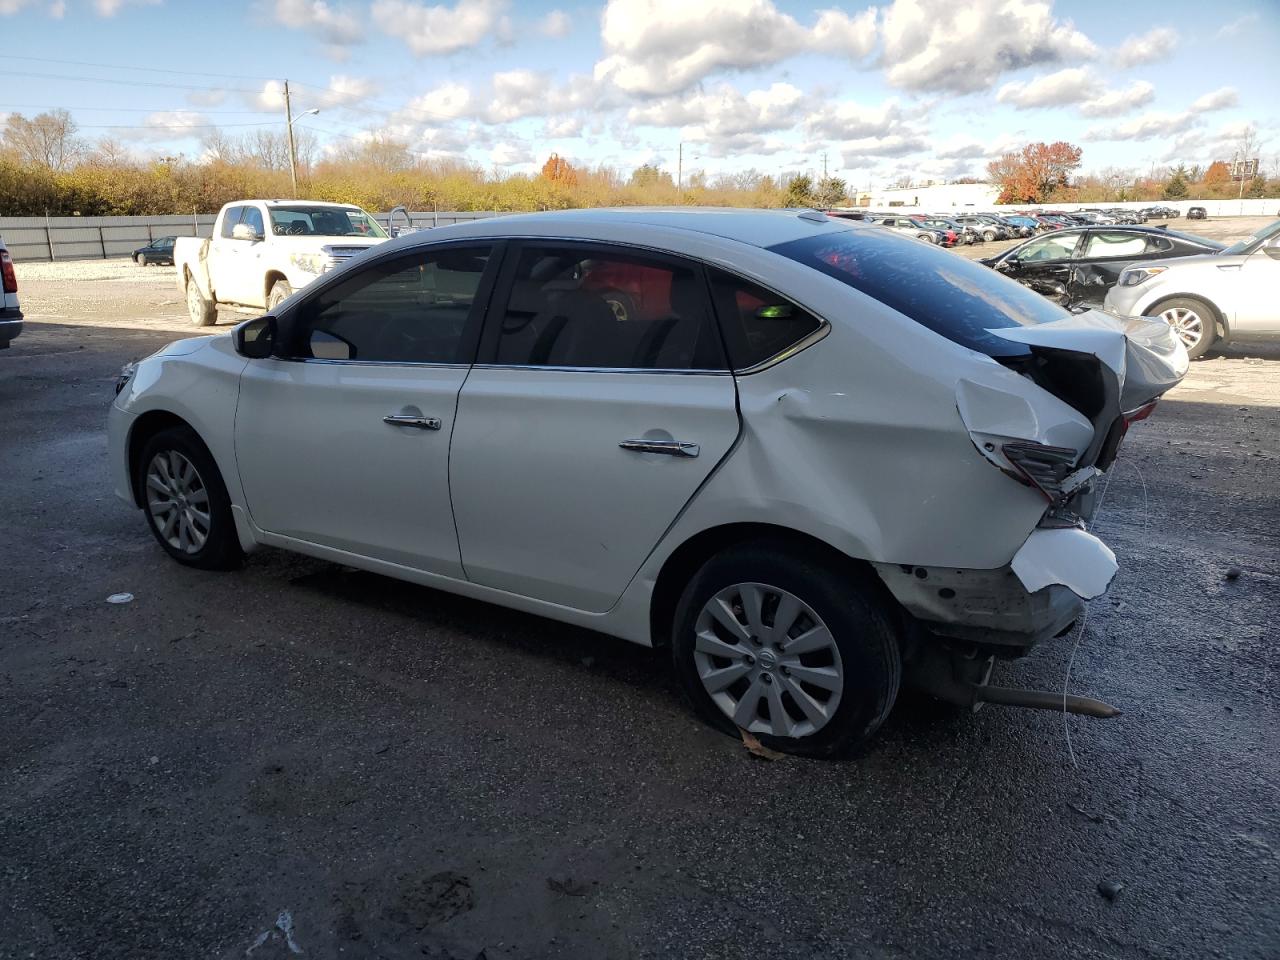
column 933, row 198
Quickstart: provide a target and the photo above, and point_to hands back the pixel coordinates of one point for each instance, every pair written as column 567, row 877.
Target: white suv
column 811, row 456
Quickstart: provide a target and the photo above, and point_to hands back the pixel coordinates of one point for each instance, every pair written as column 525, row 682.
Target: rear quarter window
column 954, row 297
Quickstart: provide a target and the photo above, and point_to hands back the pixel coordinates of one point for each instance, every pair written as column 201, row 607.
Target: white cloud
column 1114, row 103
column 965, row 47
column 335, row 25
column 723, row 111
column 555, row 24
column 58, row 9
column 1154, row 45
column 563, row 129
column 109, row 8
column 1219, row 99
column 446, row 102
column 171, row 125
column 1237, row 26
column 849, row 120
column 856, row 151
column 439, row 29
column 964, row 147
column 661, row 47
column 1051, row 90
column 10, row 7
column 1148, row 126
column 341, row 91
column 508, row 154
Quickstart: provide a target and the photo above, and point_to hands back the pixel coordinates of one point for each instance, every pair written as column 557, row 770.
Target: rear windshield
column 952, row 296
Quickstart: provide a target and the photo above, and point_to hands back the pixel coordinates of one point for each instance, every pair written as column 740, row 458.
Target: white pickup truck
column 264, row 250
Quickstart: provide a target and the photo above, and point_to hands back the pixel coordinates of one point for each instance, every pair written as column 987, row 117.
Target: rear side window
column 950, row 295
column 592, row 307
column 1104, row 244
column 758, row 324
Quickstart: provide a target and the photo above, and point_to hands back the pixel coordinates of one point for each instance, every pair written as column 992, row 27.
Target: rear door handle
column 672, row 448
column 421, row 423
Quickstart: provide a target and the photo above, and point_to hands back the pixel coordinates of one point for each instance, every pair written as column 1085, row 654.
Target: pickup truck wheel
column 794, row 649
column 203, row 313
column 1192, row 320
column 280, row 292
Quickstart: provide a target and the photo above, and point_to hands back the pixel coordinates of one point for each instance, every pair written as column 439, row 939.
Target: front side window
column 306, row 220
column 413, row 309
column 954, row 297
column 229, row 220
column 1049, row 248
column 758, row 324
column 591, row 307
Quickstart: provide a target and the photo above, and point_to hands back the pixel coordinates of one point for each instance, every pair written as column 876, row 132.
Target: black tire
column 988, row 236
column 202, row 312
column 846, row 602
column 142, row 260
column 1207, row 316
column 280, row 292
column 221, row 547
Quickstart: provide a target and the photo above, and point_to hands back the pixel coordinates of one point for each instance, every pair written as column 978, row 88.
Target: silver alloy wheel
column 768, row 661
column 178, row 501
column 1186, row 323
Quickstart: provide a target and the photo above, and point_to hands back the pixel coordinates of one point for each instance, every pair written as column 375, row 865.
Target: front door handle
column 672, row 448
column 421, row 423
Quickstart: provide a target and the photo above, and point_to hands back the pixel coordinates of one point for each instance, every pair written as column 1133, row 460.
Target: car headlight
column 308, row 262
column 1136, row 275
column 125, row 375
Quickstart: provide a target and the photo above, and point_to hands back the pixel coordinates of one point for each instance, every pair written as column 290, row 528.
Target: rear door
column 601, row 402
column 1104, row 256
column 1257, row 307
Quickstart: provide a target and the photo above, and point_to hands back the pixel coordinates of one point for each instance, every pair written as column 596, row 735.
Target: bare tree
column 1117, row 180
column 109, row 152
column 47, row 139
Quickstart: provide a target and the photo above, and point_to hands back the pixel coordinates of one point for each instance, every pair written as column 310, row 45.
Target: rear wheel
column 988, row 236
column 790, row 648
column 1192, row 320
column 280, row 292
column 202, row 312
column 186, row 502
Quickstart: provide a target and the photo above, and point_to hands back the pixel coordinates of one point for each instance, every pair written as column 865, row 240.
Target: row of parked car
column 951, row 230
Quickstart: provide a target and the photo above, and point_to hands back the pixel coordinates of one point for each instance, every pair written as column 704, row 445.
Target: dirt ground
column 298, row 759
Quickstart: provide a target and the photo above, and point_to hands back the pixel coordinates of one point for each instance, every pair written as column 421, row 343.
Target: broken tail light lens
column 1044, row 467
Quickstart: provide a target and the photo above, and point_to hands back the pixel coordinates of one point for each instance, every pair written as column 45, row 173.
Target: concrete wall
column 982, row 197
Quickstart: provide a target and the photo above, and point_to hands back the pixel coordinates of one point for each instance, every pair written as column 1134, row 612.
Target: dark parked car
column 1197, row 213
column 159, row 250
column 988, row 228
column 1079, row 265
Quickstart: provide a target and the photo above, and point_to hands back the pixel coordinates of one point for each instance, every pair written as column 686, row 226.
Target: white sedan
column 810, row 456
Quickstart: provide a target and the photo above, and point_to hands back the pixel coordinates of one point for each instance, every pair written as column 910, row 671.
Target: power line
column 121, row 66
column 59, row 106
column 127, row 83
column 171, row 126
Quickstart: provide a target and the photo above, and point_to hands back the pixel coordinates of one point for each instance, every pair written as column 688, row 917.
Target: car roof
column 295, row 203
column 760, row 228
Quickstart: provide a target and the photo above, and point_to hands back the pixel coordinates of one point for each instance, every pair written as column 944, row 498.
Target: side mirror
column 242, row 231
column 1272, row 248
column 255, row 339
column 1009, row 263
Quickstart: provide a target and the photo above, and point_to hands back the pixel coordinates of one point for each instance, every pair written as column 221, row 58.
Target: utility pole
column 293, row 152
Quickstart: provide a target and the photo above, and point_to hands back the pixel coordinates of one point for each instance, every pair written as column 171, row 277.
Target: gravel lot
column 302, row 753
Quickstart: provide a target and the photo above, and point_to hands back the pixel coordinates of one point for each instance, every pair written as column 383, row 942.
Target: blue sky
column 926, row 88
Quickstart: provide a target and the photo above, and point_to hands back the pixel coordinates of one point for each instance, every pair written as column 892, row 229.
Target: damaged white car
column 815, row 459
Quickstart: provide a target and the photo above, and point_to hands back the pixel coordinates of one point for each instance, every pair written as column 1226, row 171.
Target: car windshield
column 309, row 221
column 954, row 297
column 1250, row 244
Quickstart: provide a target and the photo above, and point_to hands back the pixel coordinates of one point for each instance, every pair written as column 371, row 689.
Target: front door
column 346, row 442
column 1103, row 258
column 602, row 401
column 1257, row 295
column 1044, row 265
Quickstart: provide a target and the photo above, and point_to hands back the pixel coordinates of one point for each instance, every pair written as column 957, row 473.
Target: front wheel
column 1192, row 320
column 988, row 236
column 140, row 259
column 795, row 650
column 186, row 502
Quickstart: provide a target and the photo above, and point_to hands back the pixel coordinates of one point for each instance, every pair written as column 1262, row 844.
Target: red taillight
column 6, row 270
column 1144, row 411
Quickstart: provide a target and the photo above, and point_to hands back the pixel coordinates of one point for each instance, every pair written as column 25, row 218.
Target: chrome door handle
column 422, row 423
column 672, row 448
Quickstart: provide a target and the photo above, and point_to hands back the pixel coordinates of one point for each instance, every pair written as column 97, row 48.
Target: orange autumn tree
column 1034, row 173
column 559, row 171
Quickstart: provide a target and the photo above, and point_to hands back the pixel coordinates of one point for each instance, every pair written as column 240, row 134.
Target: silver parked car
column 1208, row 298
